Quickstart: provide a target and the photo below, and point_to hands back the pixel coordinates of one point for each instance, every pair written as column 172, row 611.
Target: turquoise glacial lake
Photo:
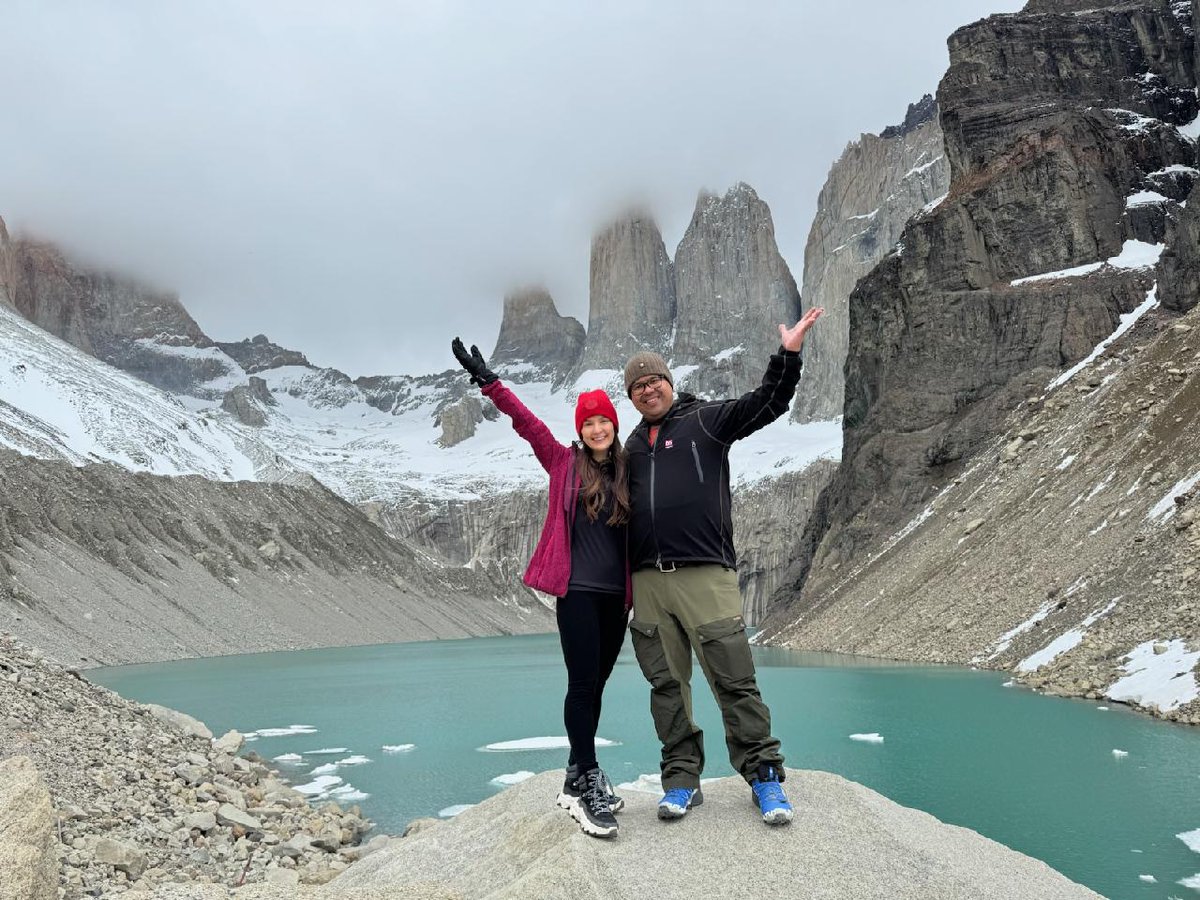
column 1038, row 774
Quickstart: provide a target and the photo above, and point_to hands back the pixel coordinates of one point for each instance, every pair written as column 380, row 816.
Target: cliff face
column 731, row 288
column 144, row 331
column 768, row 521
column 258, row 353
column 874, row 188
column 631, row 295
column 535, row 342
column 1050, row 151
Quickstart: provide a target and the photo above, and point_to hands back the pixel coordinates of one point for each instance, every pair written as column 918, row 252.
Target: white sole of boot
column 586, row 825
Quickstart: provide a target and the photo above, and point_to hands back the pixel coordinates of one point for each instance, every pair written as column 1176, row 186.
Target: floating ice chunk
column 873, row 737
column 319, row 785
column 650, row 784
column 1192, row 839
column 397, row 748
column 281, row 732
column 327, row 769
column 346, row 792
column 1102, row 708
column 1009, row 683
column 1193, row 882
column 1165, row 679
column 353, row 761
column 540, row 743
column 325, row 751
column 451, row 811
column 511, row 778
column 1149, row 879
column 1120, row 754
column 288, row 758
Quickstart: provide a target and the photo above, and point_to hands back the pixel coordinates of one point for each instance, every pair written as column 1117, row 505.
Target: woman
column 580, row 559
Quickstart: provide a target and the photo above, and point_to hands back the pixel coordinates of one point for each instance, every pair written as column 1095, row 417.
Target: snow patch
column 1127, row 321
column 1133, row 255
column 1165, row 680
column 1002, row 643
column 1164, row 509
column 1064, row 642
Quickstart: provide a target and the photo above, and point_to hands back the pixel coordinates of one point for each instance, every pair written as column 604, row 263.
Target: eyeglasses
column 640, row 387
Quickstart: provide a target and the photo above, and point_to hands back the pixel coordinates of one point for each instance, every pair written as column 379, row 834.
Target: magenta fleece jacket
column 549, row 570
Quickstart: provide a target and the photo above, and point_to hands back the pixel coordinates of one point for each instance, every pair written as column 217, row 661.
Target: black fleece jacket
column 679, row 488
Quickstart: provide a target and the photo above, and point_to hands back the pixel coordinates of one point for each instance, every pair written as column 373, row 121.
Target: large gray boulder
column 846, row 841
column 28, row 868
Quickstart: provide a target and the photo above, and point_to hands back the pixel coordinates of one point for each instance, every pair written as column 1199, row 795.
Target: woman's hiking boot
column 586, row 799
column 615, row 803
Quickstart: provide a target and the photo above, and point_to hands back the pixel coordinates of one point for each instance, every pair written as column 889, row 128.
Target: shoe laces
column 596, row 788
column 769, row 792
column 677, row 797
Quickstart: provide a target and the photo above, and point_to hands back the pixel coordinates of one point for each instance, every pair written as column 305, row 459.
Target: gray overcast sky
column 363, row 180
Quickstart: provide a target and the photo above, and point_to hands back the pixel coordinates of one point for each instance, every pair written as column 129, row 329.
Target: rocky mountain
column 424, row 455
column 258, row 353
column 1067, row 168
column 535, row 342
column 731, row 287
column 129, row 325
column 631, row 295
column 877, row 184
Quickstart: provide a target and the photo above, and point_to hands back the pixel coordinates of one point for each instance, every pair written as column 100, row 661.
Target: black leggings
column 591, row 626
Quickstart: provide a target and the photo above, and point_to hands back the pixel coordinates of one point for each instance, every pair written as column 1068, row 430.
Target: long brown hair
column 593, row 482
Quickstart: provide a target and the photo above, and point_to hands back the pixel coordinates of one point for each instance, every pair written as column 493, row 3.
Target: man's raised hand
column 793, row 338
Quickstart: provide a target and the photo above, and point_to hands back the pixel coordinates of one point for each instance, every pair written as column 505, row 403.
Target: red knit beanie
column 594, row 403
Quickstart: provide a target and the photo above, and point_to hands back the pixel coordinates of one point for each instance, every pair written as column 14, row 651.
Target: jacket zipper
column 696, row 457
column 653, row 525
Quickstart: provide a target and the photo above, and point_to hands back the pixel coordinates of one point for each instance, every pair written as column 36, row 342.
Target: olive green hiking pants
column 699, row 608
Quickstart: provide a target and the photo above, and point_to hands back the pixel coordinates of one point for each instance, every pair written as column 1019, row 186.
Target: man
column 685, row 587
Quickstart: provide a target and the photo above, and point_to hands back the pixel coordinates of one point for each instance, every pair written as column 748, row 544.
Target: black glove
column 474, row 363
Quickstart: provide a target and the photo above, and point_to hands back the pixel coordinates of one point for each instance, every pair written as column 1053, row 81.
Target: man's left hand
column 793, row 338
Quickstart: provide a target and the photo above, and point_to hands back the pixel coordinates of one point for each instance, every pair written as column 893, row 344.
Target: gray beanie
column 643, row 364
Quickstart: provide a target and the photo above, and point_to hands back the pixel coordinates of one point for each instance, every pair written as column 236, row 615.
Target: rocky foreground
column 144, row 796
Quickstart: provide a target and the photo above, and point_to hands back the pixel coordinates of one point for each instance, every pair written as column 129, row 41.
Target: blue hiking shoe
column 677, row 801
column 772, row 802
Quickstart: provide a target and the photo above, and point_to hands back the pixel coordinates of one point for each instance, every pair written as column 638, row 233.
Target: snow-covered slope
column 366, row 454
column 57, row 402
